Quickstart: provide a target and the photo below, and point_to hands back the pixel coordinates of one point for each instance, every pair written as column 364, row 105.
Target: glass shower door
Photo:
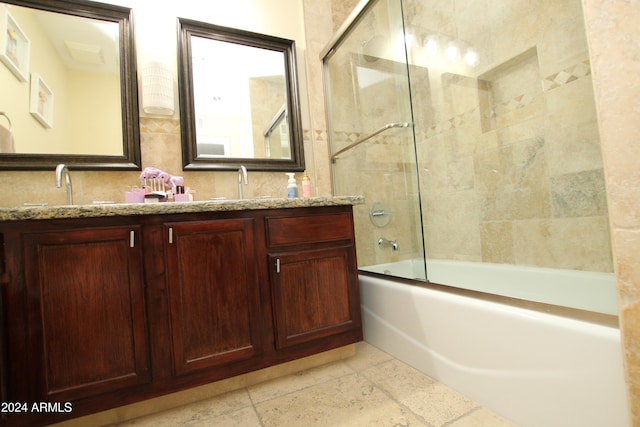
column 372, row 140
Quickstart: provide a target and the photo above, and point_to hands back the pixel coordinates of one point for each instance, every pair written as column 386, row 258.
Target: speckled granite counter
column 127, row 209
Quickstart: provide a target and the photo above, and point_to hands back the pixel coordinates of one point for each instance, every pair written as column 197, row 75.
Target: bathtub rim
column 602, row 319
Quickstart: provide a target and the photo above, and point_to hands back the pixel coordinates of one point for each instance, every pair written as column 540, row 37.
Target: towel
column 6, row 141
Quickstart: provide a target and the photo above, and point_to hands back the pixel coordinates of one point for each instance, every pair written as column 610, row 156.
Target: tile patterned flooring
column 368, row 389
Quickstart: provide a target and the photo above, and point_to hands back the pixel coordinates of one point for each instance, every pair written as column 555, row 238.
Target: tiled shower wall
column 509, row 159
column 508, row 150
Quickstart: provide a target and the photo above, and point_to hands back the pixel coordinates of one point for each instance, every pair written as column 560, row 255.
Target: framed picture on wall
column 41, row 102
column 14, row 45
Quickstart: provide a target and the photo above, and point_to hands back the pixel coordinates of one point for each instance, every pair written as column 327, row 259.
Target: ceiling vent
column 85, row 53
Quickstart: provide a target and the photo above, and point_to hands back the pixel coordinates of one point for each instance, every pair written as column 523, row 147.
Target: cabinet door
column 213, row 293
column 86, row 319
column 314, row 294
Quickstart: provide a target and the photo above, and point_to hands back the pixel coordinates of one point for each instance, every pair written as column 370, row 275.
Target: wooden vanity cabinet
column 313, row 277
column 86, row 312
column 77, row 326
column 102, row 312
column 214, row 293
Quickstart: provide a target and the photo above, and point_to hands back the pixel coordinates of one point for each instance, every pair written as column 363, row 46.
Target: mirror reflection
column 239, row 100
column 61, row 77
column 236, row 106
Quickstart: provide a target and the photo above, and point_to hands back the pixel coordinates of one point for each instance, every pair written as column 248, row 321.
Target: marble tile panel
column 571, row 128
column 462, row 92
column 521, row 109
column 461, row 174
column 452, row 225
column 513, row 78
column 562, row 39
column 513, row 182
column 432, row 155
column 497, row 242
column 515, row 28
column 628, row 271
column 471, row 18
column 532, row 128
column 318, row 23
column 572, row 243
column 340, row 10
column 437, row 14
column 579, row 194
column 624, row 194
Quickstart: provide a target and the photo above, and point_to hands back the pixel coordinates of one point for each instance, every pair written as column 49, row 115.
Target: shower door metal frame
column 359, row 12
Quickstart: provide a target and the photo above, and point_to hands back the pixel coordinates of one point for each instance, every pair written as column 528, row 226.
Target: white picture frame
column 15, row 46
column 41, row 101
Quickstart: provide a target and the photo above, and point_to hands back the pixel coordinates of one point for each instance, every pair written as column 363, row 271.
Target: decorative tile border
column 553, row 81
column 568, row 75
column 154, row 125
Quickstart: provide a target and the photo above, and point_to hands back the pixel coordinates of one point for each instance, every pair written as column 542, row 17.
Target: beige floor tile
column 367, row 356
column 429, row 399
column 347, row 401
column 369, row 389
column 482, row 418
column 298, row 381
column 245, row 417
column 204, row 410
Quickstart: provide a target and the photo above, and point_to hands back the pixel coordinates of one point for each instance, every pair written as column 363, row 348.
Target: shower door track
column 371, row 135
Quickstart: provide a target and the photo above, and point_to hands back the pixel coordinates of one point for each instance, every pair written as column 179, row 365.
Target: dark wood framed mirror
column 75, row 99
column 239, row 99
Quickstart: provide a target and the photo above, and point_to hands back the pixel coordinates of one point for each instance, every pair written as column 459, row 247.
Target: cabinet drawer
column 282, row 231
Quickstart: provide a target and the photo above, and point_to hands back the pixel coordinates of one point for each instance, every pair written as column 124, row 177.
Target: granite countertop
column 127, row 209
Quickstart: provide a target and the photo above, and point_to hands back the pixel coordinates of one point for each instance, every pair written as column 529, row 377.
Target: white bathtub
column 534, row 368
column 585, row 290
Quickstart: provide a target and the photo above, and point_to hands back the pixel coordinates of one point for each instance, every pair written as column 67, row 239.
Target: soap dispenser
column 292, row 185
column 306, row 185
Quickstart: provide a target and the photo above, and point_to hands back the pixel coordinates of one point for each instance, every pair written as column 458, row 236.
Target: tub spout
column 386, row 243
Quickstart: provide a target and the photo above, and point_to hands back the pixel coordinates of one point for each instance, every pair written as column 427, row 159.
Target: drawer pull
column 132, row 239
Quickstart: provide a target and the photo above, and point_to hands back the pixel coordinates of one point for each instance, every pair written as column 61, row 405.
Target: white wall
column 156, row 28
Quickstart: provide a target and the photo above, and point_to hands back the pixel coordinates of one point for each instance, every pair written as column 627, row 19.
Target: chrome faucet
column 62, row 169
column 242, row 174
column 386, row 243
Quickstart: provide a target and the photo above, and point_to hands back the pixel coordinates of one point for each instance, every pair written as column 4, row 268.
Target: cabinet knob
column 278, row 265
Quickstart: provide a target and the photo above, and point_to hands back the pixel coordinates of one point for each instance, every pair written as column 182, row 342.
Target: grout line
column 318, row 368
column 471, row 411
column 393, row 399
